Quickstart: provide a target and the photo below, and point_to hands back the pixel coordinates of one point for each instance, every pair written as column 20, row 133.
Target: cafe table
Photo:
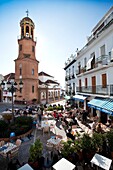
column 26, row 167
column 63, row 164
column 54, row 141
column 7, row 148
column 101, row 161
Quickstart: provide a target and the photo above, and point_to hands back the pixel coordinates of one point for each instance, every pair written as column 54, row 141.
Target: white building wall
column 107, row 39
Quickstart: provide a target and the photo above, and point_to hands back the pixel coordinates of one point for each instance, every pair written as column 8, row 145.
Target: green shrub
column 36, row 150
column 24, row 120
column 50, row 108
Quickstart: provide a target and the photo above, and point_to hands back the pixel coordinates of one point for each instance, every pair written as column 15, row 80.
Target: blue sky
column 61, row 26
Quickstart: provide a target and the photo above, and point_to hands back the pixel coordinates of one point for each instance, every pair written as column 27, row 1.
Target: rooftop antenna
column 27, row 12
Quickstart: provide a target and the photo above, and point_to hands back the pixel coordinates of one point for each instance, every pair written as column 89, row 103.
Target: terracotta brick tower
column 26, row 65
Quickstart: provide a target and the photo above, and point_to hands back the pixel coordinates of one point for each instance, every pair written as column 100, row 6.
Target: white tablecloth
column 8, row 147
column 54, row 141
column 101, row 161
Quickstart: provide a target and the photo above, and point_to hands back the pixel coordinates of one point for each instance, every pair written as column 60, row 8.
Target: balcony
column 99, row 89
column 101, row 60
column 81, row 70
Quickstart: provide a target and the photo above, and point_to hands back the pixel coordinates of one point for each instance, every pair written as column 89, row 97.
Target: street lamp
column 12, row 87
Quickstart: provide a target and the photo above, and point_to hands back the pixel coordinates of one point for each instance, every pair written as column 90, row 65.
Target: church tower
column 26, row 65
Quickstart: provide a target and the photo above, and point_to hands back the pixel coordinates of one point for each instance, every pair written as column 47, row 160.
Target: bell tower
column 26, row 65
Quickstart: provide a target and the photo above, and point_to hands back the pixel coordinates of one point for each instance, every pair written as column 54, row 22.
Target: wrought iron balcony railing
column 99, row 89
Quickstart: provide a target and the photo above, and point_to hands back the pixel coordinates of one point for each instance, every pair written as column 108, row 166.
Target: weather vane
column 27, row 12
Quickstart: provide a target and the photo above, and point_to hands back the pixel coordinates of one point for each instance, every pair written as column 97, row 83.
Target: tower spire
column 27, row 12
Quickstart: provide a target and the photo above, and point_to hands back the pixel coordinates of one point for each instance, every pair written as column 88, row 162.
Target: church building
column 26, row 64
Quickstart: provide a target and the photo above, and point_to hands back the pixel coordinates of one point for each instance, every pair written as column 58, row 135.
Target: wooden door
column 93, row 84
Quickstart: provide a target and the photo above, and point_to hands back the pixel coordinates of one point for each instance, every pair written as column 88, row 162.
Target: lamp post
column 12, row 87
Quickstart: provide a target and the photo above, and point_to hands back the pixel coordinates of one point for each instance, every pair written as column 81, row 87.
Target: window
column 32, row 32
column 27, row 29
column 22, row 31
column 33, row 48
column 85, row 82
column 104, row 81
column 79, row 67
column 26, row 55
column 32, row 71
column 102, row 50
column 85, row 61
column 80, row 85
column 20, row 47
column 20, row 90
column 32, row 89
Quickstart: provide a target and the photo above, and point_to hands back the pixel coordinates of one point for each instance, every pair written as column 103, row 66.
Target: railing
column 102, row 59
column 99, row 89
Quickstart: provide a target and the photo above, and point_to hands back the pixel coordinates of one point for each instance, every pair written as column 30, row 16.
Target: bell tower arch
column 26, row 64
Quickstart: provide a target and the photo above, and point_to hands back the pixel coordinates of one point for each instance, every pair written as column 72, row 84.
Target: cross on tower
column 27, row 12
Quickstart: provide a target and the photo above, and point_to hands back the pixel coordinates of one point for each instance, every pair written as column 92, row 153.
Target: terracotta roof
column 44, row 74
column 9, row 76
column 51, row 81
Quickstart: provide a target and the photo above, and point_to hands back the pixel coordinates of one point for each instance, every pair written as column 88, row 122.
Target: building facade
column 49, row 89
column 94, row 68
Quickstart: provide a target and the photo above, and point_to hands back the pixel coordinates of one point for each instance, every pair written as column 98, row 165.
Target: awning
column 88, row 66
column 108, row 107
column 97, row 103
column 67, row 97
column 104, row 105
column 79, row 97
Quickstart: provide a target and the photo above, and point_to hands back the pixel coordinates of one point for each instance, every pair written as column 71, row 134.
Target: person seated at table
column 54, row 114
column 94, row 124
column 25, row 113
column 60, row 115
column 69, row 135
column 99, row 128
column 74, row 121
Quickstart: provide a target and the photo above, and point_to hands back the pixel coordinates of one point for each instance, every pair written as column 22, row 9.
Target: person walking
column 39, row 115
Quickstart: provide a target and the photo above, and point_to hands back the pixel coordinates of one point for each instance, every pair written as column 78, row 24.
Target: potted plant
column 67, row 149
column 109, row 137
column 98, row 139
column 35, row 153
column 88, row 147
